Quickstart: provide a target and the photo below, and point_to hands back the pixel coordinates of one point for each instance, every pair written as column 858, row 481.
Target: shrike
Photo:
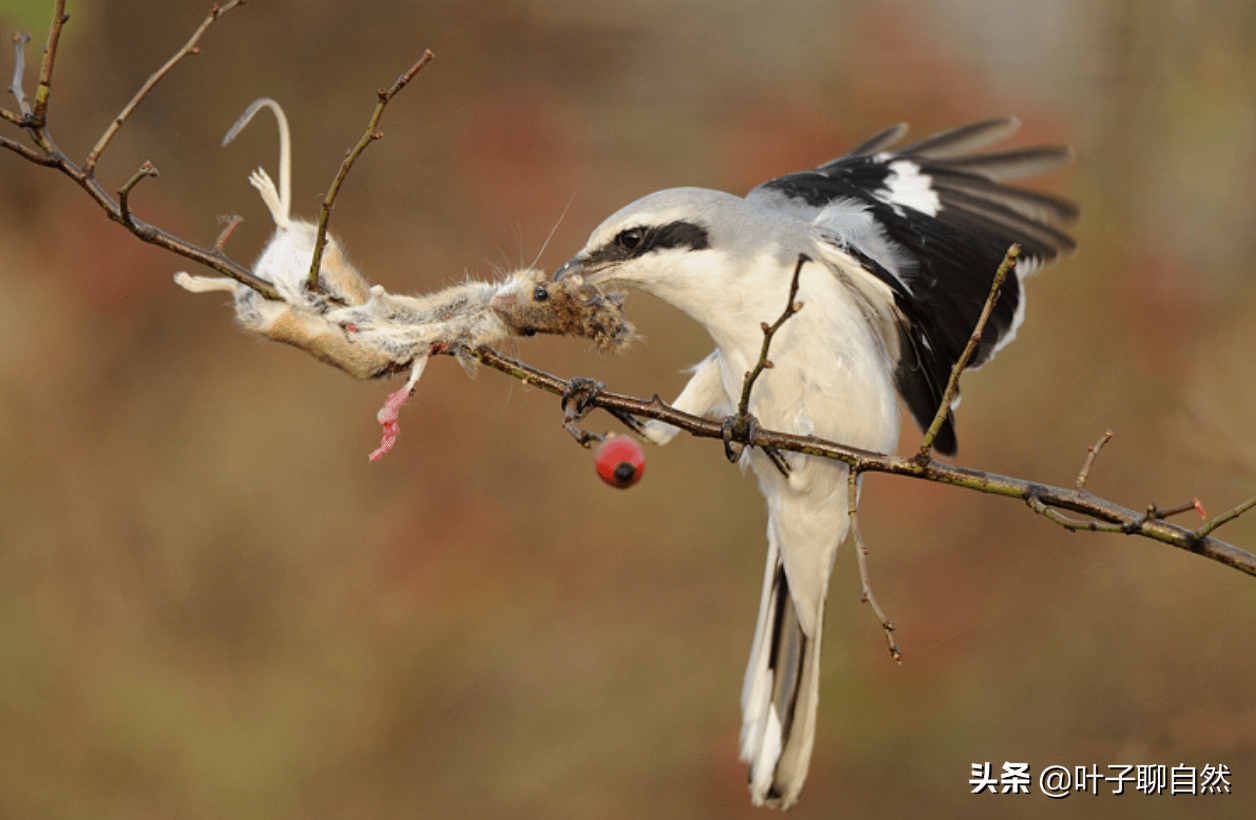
column 903, row 246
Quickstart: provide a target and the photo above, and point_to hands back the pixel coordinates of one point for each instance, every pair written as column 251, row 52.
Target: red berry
column 620, row 461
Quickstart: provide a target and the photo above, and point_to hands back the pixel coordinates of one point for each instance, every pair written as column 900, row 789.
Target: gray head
column 684, row 245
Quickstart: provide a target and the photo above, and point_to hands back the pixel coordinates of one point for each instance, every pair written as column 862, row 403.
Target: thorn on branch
column 1092, row 453
column 952, row 384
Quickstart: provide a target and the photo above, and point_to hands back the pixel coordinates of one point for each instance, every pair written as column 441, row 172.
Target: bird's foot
column 577, row 403
column 742, row 429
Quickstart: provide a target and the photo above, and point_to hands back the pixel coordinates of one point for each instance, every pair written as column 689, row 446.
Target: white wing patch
column 907, row 187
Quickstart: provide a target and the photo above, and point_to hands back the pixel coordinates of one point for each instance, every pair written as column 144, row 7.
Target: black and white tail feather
column 905, row 243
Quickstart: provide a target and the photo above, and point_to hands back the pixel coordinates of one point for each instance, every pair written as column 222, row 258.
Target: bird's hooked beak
column 574, row 267
column 579, row 272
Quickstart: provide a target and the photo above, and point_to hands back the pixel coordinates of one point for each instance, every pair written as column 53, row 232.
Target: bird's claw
column 629, row 420
column 778, row 460
column 742, row 429
column 579, row 396
column 577, row 403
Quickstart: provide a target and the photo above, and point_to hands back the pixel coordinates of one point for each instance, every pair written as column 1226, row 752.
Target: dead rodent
column 528, row 303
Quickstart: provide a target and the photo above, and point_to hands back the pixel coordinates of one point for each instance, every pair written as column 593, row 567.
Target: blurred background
column 213, row 606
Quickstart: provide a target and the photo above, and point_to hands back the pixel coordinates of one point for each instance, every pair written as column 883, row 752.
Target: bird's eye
column 540, row 294
column 630, row 239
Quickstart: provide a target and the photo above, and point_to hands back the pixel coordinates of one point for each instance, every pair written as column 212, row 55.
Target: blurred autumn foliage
column 212, row 606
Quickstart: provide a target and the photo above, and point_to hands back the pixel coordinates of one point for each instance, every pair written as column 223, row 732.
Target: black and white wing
column 933, row 222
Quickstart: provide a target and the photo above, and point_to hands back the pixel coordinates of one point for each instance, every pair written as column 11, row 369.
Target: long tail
column 780, row 693
column 279, row 202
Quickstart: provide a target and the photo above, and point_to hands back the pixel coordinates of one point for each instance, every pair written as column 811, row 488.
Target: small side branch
column 1092, row 453
column 124, row 193
column 952, row 384
column 220, row 243
column 28, row 153
column 1225, row 518
column 769, row 331
column 372, row 134
column 19, row 70
column 861, row 557
column 188, row 49
column 741, row 426
column 48, row 155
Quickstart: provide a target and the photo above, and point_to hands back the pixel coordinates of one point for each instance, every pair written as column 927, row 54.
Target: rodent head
column 529, row 303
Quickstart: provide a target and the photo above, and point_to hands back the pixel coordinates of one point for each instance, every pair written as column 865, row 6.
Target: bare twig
column 124, row 193
column 1092, row 452
column 1109, row 517
column 741, row 426
column 26, row 152
column 1049, row 501
column 952, row 384
column 42, row 92
column 1072, row 524
column 861, row 558
column 19, row 69
column 769, row 331
column 1225, row 518
column 189, row 48
column 233, row 222
column 372, row 134
column 50, row 156
column 1186, row 506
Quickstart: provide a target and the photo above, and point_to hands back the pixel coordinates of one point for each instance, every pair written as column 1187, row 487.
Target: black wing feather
column 952, row 254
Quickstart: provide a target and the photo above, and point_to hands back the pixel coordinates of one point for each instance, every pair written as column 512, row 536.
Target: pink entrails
column 387, row 416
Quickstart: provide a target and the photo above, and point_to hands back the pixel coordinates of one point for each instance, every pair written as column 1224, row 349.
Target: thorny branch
column 372, row 134
column 47, row 154
column 1043, row 498
column 1052, row 502
column 190, row 48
